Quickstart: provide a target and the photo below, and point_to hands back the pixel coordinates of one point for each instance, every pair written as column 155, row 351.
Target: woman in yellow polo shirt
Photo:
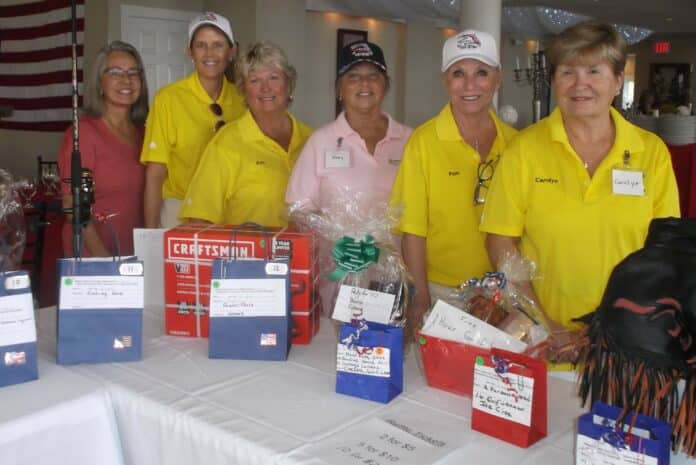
column 576, row 191
column 184, row 117
column 244, row 171
column 445, row 170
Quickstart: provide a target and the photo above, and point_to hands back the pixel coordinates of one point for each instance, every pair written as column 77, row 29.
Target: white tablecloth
column 61, row 418
column 176, row 406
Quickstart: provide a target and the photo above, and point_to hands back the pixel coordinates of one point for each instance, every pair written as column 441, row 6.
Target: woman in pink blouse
column 360, row 150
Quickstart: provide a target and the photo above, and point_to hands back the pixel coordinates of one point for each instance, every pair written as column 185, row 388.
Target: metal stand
column 538, row 77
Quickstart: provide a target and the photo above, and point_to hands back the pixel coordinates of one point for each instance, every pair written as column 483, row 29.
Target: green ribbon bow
column 353, row 257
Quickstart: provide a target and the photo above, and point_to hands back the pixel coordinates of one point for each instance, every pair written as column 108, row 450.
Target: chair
column 44, row 207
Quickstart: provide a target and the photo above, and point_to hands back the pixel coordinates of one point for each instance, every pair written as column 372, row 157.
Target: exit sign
column 661, row 47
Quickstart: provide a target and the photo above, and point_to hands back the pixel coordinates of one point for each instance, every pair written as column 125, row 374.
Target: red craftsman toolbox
column 189, row 251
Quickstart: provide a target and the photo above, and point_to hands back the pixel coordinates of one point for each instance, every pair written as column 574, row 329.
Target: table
column 684, row 164
column 176, row 406
column 62, row 418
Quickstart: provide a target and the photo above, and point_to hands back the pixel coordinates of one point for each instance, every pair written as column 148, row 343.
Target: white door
column 161, row 38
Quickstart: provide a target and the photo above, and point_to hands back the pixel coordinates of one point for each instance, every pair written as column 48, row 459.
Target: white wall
column 425, row 94
column 319, row 72
column 412, row 51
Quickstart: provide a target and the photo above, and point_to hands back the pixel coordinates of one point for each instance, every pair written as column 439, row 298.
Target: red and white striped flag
column 36, row 63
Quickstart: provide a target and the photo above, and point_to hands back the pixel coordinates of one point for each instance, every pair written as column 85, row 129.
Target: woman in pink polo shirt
column 360, row 150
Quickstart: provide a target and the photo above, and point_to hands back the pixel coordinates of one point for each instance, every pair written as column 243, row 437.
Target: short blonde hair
column 264, row 54
column 588, row 39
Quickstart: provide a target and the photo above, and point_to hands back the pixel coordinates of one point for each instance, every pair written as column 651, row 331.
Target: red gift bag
column 448, row 365
column 509, row 397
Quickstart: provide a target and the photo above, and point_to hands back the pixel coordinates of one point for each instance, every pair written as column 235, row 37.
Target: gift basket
column 359, row 253
column 497, row 300
column 483, row 313
column 12, row 227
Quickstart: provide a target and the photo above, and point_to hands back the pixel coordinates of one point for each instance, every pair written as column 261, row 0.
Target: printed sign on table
column 384, row 442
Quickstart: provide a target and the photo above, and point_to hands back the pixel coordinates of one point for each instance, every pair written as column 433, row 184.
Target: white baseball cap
column 211, row 19
column 473, row 44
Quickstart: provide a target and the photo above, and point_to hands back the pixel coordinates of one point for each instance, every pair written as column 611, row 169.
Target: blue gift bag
column 100, row 310
column 369, row 361
column 18, row 336
column 250, row 310
column 602, row 440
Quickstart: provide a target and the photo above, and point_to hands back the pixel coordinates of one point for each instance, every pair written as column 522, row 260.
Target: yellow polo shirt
column 180, row 125
column 435, row 186
column 243, row 175
column 571, row 225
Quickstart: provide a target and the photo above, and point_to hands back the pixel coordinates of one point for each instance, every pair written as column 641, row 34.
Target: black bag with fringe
column 639, row 343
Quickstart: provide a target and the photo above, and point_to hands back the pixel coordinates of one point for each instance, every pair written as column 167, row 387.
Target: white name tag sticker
column 372, row 305
column 17, row 282
column 17, row 319
column 625, row 182
column 101, row 292
column 278, row 269
column 337, row 158
column 248, row 297
column 507, row 396
column 131, row 269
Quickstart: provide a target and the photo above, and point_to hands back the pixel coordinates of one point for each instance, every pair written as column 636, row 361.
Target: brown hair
column 94, row 99
column 588, row 39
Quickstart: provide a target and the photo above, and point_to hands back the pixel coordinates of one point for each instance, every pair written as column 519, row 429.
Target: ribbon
column 353, row 257
column 351, row 340
column 501, row 366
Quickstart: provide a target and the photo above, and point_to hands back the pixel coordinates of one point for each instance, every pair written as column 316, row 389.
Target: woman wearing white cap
column 445, row 171
column 184, row 117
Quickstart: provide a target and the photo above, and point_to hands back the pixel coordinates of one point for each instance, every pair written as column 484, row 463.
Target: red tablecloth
column 684, row 163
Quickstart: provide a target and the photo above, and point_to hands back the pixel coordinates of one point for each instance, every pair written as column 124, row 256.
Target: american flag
column 36, row 63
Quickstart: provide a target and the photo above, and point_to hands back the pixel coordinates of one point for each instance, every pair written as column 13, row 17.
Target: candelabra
column 535, row 74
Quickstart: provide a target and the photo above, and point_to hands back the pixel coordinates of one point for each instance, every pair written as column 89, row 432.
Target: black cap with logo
column 358, row 52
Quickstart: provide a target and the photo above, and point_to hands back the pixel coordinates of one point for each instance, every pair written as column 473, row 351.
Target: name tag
column 625, row 182
column 337, row 158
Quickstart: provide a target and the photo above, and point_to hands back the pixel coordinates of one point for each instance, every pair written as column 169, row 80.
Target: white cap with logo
column 473, row 44
column 210, row 19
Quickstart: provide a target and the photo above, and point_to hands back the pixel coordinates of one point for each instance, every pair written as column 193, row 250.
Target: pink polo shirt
column 312, row 183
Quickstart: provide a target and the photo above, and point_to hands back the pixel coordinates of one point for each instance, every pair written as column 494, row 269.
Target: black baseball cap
column 358, row 52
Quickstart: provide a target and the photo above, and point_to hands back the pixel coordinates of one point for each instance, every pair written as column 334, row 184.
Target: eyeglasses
column 217, row 111
column 483, row 177
column 121, row 74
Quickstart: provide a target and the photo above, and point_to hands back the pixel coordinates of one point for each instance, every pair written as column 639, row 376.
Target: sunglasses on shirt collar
column 217, row 111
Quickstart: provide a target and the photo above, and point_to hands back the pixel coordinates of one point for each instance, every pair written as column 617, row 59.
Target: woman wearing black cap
column 360, row 150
